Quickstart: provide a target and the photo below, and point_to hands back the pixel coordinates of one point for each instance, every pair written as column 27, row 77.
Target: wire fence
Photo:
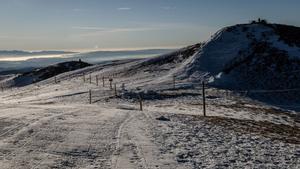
column 115, row 90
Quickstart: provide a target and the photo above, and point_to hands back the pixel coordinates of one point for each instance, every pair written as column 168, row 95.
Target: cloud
column 90, row 31
column 88, row 28
column 96, row 31
column 124, row 9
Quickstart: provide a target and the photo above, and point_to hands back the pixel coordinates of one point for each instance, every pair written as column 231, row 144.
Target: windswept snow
column 52, row 125
column 228, row 43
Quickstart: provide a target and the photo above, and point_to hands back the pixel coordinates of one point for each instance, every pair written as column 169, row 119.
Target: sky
column 82, row 25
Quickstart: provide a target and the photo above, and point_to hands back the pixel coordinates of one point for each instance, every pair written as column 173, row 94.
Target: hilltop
column 260, row 60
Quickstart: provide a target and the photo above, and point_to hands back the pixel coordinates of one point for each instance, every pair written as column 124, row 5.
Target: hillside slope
column 259, row 60
column 243, row 57
column 80, row 123
column 232, row 46
column 38, row 75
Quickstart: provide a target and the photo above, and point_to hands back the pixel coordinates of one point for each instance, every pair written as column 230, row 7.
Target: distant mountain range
column 97, row 56
column 91, row 57
column 128, row 52
column 26, row 53
column 102, row 53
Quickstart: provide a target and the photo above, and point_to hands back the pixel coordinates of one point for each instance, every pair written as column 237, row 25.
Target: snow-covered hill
column 257, row 59
column 253, row 49
column 38, row 75
column 82, row 122
column 255, row 56
column 260, row 60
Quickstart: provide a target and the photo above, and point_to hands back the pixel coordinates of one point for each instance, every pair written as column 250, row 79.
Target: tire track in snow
column 48, row 154
column 151, row 121
column 135, row 143
column 94, row 153
column 114, row 161
column 8, row 131
column 57, row 145
column 22, row 146
column 90, row 143
column 18, row 127
column 141, row 155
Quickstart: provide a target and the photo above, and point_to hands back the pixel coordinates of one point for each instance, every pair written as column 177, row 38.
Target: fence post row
column 203, row 99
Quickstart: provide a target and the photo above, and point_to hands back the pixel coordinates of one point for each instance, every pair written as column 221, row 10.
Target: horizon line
column 99, row 49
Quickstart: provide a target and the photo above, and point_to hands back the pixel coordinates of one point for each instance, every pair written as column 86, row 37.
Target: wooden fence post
column 97, row 80
column 83, row 77
column 116, row 94
column 110, row 83
column 90, row 96
column 123, row 86
column 141, row 102
column 103, row 81
column 174, row 81
column 203, row 99
column 90, row 78
column 115, row 89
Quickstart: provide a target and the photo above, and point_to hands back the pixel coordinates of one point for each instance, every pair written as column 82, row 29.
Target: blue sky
column 128, row 24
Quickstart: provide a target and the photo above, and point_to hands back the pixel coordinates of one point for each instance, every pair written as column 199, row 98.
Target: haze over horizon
column 80, row 25
column 149, row 84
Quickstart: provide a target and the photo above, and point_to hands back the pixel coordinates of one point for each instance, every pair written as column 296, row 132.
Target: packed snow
column 52, row 125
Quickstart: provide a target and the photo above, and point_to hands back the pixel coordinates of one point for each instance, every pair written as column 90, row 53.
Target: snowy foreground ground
column 53, row 126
